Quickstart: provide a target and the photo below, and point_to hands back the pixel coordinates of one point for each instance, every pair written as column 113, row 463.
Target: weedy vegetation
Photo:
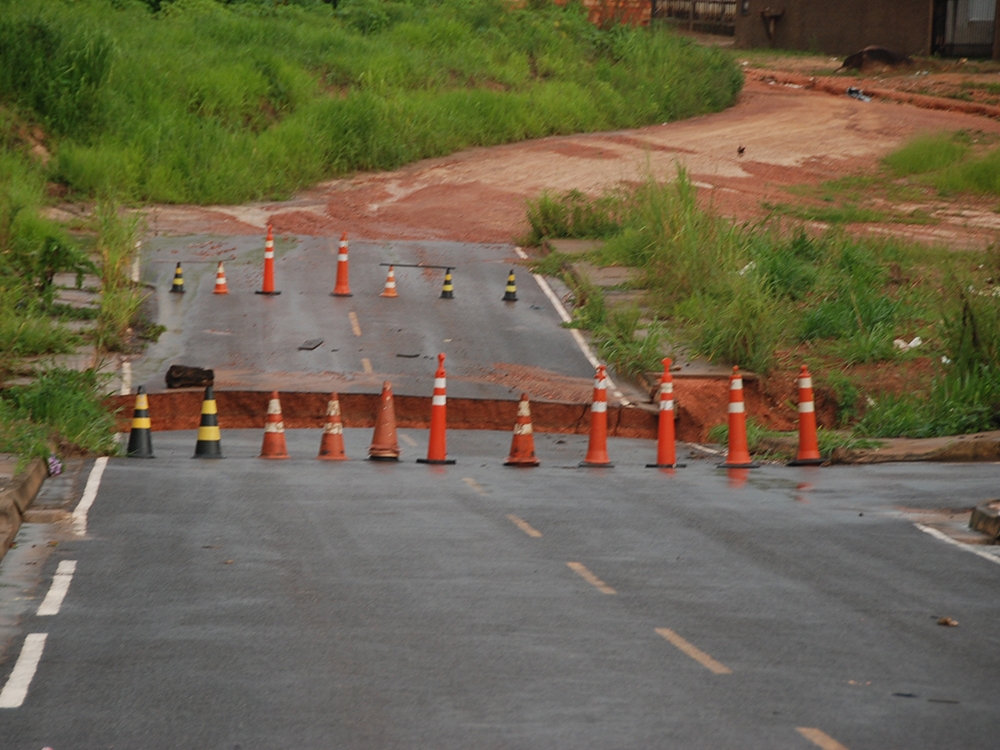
column 768, row 296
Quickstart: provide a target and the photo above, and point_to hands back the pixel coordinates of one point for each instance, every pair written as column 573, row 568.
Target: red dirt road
column 792, row 136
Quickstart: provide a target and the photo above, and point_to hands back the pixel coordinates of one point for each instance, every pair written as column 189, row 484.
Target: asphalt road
column 253, row 604
column 252, row 341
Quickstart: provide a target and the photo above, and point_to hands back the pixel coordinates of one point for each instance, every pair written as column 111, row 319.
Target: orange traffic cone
column 220, row 281
column 390, row 284
column 738, row 456
column 268, row 286
column 808, row 439
column 331, row 447
column 437, row 452
column 666, row 449
column 384, row 445
column 597, row 447
column 274, row 431
column 343, row 286
column 522, row 446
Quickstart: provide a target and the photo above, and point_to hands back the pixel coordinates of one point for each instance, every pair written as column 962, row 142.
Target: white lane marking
column 57, row 592
column 89, row 495
column 408, row 440
column 574, row 332
column 820, row 738
column 366, row 366
column 967, row 547
column 16, row 689
column 355, row 325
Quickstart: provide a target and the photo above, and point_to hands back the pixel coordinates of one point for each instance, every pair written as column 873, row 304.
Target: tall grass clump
column 207, row 102
column 927, row 153
column 121, row 299
column 63, row 407
column 979, row 174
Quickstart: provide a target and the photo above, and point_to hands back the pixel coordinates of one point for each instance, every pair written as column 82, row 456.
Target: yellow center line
column 408, row 440
column 355, row 326
column 694, row 652
column 581, row 570
column 819, row 738
column 474, row 485
column 366, row 365
column 524, row 526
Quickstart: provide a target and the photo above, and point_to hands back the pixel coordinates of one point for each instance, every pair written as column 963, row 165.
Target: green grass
column 207, row 102
column 847, row 212
column 766, row 297
column 62, row 408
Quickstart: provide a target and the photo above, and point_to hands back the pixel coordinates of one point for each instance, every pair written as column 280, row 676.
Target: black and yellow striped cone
column 178, row 286
column 209, row 443
column 510, row 293
column 140, row 444
column 447, row 291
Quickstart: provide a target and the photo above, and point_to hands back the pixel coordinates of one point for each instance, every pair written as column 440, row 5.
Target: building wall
column 837, row 27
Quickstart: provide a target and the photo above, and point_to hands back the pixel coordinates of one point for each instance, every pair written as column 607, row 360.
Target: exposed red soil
column 700, row 401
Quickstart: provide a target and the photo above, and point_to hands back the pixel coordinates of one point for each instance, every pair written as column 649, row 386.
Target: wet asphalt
column 248, row 604
column 253, row 341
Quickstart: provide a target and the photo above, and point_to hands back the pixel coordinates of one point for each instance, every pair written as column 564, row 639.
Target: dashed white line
column 968, row 548
column 57, row 592
column 575, row 333
column 16, row 689
column 820, row 738
column 89, row 495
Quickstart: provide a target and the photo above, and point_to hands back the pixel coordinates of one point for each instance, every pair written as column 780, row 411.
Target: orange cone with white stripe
column 808, row 454
column 739, row 455
column 390, row 284
column 384, row 445
column 331, row 446
column 268, row 285
column 666, row 448
column 522, row 446
column 437, row 452
column 220, row 281
column 274, row 431
column 597, row 447
column 343, row 286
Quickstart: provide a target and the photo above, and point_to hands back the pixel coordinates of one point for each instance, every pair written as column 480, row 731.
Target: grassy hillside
column 208, row 102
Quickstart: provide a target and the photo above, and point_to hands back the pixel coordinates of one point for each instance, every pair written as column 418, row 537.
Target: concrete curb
column 986, row 518
column 17, row 498
column 982, row 446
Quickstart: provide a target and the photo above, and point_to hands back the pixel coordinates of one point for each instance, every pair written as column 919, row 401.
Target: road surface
column 247, row 604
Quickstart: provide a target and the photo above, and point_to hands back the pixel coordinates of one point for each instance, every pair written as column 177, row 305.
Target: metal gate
column 716, row 16
column 964, row 28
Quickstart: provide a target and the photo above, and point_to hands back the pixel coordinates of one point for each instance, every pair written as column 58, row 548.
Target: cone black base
column 334, row 294
column 588, row 465
column 436, row 461
column 807, row 462
column 665, row 466
column 141, row 448
column 269, row 294
column 384, row 458
column 527, row 465
column 739, row 466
